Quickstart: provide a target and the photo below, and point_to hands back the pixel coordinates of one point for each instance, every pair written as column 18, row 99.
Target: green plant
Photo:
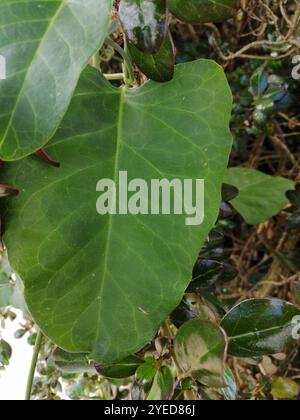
column 100, row 286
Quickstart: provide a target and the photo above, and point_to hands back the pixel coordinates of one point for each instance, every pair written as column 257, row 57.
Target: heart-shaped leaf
column 102, row 284
column 258, row 327
column 200, row 348
column 46, row 44
column 163, row 385
column 145, row 23
column 202, row 11
column 260, row 196
column 160, row 66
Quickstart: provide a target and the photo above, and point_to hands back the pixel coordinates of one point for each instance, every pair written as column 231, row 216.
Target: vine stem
column 114, row 76
column 129, row 72
column 34, row 360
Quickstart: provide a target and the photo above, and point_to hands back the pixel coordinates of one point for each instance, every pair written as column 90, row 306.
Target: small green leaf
column 11, row 292
column 261, row 196
column 230, row 391
column 122, row 369
column 5, row 353
column 20, row 333
column 200, row 348
column 284, row 388
column 259, row 82
column 163, row 385
column 207, row 272
column 145, row 23
column 202, row 11
column 72, row 362
column 147, row 370
column 229, row 192
column 259, row 327
column 46, row 44
column 160, row 66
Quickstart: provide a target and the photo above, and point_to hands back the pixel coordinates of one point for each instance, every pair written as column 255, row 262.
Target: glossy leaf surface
column 160, row 66
column 145, row 23
column 122, row 369
column 258, row 327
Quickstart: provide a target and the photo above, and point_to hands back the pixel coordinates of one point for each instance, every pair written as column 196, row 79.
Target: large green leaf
column 201, row 11
column 103, row 284
column 46, row 44
column 261, row 196
column 258, row 327
column 200, row 348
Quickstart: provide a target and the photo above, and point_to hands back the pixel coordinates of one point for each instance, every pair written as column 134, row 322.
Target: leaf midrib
column 237, row 337
column 49, row 27
column 110, row 220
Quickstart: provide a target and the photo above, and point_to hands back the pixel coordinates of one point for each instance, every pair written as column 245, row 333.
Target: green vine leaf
column 259, row 327
column 121, row 369
column 163, row 385
column 145, row 23
column 202, row 11
column 201, row 349
column 260, row 196
column 102, row 285
column 46, row 45
column 160, row 66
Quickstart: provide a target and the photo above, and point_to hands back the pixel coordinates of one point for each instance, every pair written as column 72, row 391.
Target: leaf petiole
column 128, row 68
column 115, row 76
